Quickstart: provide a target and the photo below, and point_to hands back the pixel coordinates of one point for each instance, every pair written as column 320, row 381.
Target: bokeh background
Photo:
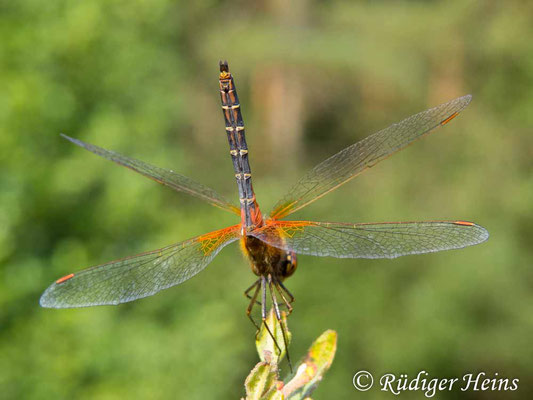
column 140, row 77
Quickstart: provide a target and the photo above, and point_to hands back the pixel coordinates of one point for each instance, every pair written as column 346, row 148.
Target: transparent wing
column 376, row 240
column 346, row 164
column 164, row 176
column 139, row 276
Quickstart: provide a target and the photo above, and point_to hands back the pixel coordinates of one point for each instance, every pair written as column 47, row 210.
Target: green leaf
column 274, row 393
column 312, row 368
column 261, row 380
column 267, row 349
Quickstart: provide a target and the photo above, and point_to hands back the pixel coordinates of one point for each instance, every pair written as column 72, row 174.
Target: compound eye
column 290, row 264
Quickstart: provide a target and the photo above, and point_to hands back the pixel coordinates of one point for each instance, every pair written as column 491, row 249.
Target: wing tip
column 483, row 234
column 465, row 101
column 46, row 301
column 72, row 140
column 458, row 105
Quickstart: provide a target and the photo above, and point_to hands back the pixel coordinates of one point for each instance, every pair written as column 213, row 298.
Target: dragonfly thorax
column 268, row 260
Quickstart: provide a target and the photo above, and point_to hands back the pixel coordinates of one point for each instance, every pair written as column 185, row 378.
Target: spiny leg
column 280, row 321
column 247, row 291
column 252, row 303
column 264, row 312
column 285, row 301
column 252, row 286
column 281, row 285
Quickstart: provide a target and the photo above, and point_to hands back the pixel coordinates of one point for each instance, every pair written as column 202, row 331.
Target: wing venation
column 164, row 176
column 348, row 163
column 375, row 240
column 138, row 276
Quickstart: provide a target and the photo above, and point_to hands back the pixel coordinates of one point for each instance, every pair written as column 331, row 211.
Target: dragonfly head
column 289, row 264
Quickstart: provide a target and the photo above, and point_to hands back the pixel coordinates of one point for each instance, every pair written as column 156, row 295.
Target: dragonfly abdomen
column 231, row 109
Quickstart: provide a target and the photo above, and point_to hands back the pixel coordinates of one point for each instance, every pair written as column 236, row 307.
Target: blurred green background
column 141, row 77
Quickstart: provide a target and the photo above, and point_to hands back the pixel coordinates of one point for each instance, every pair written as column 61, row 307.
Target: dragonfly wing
column 346, row 164
column 164, row 176
column 375, row 240
column 139, row 276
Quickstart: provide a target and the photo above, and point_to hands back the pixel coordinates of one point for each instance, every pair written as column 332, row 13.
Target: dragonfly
column 271, row 244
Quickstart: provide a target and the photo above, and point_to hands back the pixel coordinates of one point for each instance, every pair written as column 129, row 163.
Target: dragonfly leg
column 282, row 286
column 253, row 302
column 286, row 302
column 271, row 286
column 247, row 291
column 264, row 311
